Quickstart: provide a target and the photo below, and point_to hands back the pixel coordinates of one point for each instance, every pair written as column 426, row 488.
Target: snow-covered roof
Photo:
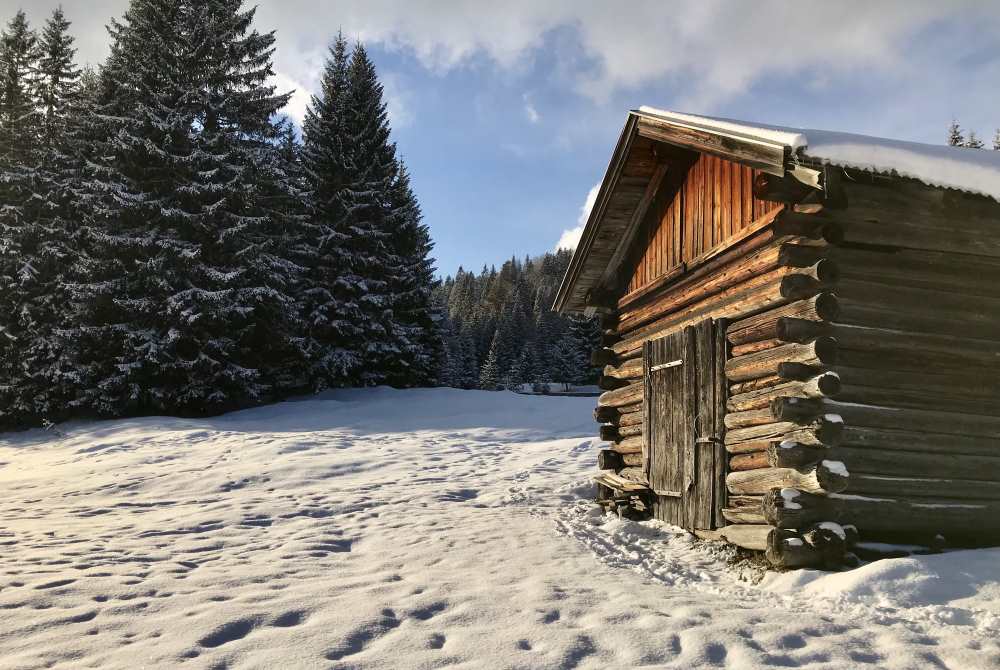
column 971, row 170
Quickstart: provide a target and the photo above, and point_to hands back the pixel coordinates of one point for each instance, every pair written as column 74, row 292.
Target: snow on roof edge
column 971, row 170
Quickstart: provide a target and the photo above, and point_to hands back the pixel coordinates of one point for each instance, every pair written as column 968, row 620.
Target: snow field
column 416, row 529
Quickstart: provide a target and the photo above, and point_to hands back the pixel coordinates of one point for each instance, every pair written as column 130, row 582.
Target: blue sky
column 507, row 112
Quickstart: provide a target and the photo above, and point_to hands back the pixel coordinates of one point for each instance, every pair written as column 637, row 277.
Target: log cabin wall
column 863, row 366
column 714, row 203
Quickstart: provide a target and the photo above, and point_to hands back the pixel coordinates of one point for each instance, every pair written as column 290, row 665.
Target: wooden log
column 812, row 227
column 606, row 414
column 947, row 423
column 609, row 433
column 633, row 474
column 748, row 447
column 609, row 320
column 827, row 430
column 826, row 476
column 609, row 460
column 917, row 310
column 799, row 371
column 929, row 486
column 795, row 410
column 822, row 351
column 611, row 383
column 829, row 540
column 763, row 326
column 776, row 288
column 748, row 536
column 971, row 522
column 629, row 395
column 789, row 454
column 749, row 461
column 821, row 386
column 709, row 263
column 787, row 549
column 634, row 418
column 881, row 348
column 609, row 336
column 960, row 399
column 769, row 261
column 894, row 463
column 753, row 417
column 753, row 347
column 784, row 189
column 800, row 330
column 961, row 522
column 629, row 370
column 786, row 507
column 744, row 509
column 630, row 430
column 603, row 356
column 749, row 385
column 628, row 445
column 798, row 410
column 918, row 441
column 914, row 269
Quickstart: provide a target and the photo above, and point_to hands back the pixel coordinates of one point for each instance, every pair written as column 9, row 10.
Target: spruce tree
column 416, row 321
column 329, row 302
column 58, row 77
column 996, row 140
column 974, row 142
column 370, row 170
column 186, row 306
column 955, row 136
column 489, row 376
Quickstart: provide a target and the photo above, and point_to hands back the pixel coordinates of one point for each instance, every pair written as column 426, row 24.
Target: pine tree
column 185, row 308
column 19, row 116
column 58, row 76
column 370, row 171
column 410, row 283
column 329, row 304
column 996, row 140
column 974, row 142
column 489, row 376
column 955, row 136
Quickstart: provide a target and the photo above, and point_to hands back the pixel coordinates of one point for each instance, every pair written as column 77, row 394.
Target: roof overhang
column 606, row 238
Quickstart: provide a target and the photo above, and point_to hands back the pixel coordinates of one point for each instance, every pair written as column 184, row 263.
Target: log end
column 832, row 476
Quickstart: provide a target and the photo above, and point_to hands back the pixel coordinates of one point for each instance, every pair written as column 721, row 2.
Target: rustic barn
column 801, row 337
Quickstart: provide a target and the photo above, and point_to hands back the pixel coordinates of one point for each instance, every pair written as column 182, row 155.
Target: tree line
column 959, row 138
column 168, row 245
column 500, row 332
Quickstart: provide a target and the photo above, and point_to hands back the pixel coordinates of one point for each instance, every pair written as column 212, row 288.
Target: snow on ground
column 415, row 529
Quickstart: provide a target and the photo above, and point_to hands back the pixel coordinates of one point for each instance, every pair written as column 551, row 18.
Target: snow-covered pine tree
column 974, row 142
column 18, row 60
column 415, row 320
column 370, row 171
column 489, row 376
column 58, row 76
column 185, row 309
column 47, row 227
column 955, row 136
column 329, row 302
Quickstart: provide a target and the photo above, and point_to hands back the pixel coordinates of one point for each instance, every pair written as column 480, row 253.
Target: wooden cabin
column 801, row 335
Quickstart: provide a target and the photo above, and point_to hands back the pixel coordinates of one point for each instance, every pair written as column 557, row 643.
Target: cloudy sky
column 506, row 112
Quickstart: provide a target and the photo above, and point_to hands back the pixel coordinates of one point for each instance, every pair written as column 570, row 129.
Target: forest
column 171, row 243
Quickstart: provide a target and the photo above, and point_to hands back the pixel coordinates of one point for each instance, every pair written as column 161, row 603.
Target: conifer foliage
column 500, row 332
column 167, row 245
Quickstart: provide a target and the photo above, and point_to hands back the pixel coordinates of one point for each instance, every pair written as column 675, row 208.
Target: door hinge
column 664, row 366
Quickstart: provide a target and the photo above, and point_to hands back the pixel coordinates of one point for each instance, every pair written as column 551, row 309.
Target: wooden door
column 684, row 407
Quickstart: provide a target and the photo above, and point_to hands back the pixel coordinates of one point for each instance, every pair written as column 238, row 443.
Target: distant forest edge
column 168, row 244
column 499, row 328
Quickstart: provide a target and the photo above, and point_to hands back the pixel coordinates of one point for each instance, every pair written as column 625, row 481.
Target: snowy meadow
column 416, row 529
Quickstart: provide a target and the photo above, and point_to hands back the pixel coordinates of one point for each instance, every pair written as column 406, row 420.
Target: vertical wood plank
column 721, row 394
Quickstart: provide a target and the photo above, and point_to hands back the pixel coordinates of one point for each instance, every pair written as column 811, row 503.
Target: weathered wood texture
column 686, row 459
column 714, row 204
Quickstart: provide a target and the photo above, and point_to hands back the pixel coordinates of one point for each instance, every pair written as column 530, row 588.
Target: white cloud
column 571, row 236
column 716, row 48
column 296, row 107
column 530, row 111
